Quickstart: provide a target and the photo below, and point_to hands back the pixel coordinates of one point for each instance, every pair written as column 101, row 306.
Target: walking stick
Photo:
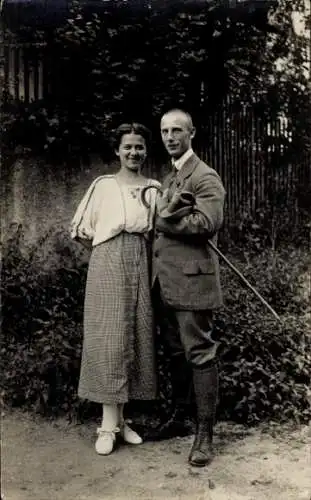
column 245, row 281
column 224, row 258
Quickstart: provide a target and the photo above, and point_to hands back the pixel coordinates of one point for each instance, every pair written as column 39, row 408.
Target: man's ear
column 193, row 132
column 117, row 152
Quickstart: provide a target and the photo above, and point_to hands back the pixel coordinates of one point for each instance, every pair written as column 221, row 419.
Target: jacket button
column 156, row 253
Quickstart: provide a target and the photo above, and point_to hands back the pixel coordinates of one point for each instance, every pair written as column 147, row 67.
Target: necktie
column 172, row 183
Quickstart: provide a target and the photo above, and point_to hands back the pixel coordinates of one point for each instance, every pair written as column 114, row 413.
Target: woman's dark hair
column 131, row 128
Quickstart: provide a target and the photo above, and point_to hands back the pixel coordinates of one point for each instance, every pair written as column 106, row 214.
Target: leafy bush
column 282, row 218
column 42, row 327
column 265, row 369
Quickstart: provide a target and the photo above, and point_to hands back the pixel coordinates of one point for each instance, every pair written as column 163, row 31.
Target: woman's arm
column 84, row 242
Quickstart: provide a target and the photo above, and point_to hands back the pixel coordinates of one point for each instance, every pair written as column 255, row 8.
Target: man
column 186, row 275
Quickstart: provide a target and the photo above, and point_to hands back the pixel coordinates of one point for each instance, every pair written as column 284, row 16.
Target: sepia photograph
column 155, row 249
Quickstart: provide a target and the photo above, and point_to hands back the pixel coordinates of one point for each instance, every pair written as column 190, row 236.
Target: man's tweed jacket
column 187, row 269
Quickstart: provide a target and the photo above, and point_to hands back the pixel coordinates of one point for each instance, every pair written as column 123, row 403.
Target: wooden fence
column 255, row 158
column 249, row 151
column 22, row 70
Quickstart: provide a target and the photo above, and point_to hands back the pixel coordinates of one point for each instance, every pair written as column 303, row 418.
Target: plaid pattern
column 118, row 361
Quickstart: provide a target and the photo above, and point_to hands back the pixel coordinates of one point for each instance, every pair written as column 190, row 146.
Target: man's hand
column 181, row 199
column 181, row 204
column 205, row 209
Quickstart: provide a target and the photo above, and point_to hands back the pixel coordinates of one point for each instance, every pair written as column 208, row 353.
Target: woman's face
column 132, row 151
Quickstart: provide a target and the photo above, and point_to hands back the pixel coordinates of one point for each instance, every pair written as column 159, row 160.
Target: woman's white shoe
column 129, row 435
column 105, row 442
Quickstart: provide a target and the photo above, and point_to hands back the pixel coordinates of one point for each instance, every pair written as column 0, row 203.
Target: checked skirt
column 118, row 354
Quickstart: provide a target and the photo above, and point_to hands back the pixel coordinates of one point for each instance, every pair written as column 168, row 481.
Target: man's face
column 177, row 133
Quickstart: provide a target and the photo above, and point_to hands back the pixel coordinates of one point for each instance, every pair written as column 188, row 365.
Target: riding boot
column 205, row 382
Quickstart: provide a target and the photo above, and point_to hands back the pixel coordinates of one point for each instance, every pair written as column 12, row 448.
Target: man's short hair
column 182, row 112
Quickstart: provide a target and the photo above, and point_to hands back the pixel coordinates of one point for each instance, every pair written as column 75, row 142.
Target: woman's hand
column 84, row 242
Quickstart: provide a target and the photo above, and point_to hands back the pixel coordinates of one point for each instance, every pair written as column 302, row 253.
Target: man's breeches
column 193, row 336
column 189, row 333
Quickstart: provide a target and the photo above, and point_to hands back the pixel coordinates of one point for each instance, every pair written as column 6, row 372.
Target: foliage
column 42, row 326
column 279, row 220
column 117, row 62
column 266, row 367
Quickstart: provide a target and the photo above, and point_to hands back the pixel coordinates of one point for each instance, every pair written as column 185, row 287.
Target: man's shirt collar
column 182, row 160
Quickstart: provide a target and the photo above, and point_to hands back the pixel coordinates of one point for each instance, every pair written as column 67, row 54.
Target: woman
column 118, row 345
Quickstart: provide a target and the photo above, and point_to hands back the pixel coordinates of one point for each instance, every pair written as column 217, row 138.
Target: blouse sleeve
column 84, row 221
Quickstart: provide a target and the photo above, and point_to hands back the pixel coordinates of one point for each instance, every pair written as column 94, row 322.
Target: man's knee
column 196, row 333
